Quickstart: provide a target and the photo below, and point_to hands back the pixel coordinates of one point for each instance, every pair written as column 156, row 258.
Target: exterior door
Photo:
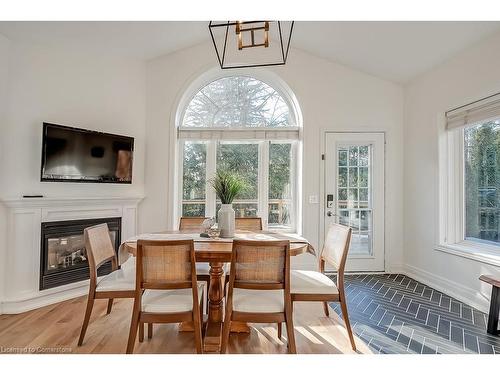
column 354, row 187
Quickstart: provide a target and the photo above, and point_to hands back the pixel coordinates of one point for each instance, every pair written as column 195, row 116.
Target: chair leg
column 197, row 333
column 279, row 330
column 141, row 332
column 206, row 297
column 292, row 349
column 345, row 315
column 150, row 331
column 226, row 282
column 325, row 307
column 110, row 305
column 202, row 303
column 133, row 327
column 86, row 319
column 225, row 332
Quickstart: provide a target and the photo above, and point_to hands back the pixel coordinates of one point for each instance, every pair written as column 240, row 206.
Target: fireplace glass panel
column 67, row 252
column 63, row 258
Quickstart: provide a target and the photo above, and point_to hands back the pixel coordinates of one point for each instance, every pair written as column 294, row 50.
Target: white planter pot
column 226, row 221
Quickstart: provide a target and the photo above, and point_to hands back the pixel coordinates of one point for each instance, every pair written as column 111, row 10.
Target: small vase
column 226, row 221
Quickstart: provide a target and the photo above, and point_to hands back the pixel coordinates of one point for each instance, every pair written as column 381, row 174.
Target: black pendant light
column 245, row 44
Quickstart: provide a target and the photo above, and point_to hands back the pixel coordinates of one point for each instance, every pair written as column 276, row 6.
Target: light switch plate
column 313, row 199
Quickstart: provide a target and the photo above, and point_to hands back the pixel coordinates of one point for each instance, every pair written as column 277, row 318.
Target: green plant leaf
column 227, row 185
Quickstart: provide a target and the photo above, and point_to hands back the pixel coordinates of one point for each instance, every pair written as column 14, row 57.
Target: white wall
column 74, row 89
column 66, row 87
column 472, row 75
column 4, row 59
column 331, row 96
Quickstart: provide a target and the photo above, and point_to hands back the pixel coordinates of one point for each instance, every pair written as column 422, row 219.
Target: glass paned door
column 354, row 203
column 354, row 189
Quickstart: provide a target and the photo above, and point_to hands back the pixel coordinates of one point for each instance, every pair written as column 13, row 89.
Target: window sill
column 478, row 253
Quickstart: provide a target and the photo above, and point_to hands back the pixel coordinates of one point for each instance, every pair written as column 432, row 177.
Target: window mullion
column 263, row 181
column 180, row 185
column 211, row 167
column 294, row 186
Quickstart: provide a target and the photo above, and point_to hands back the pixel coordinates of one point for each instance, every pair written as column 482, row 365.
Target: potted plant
column 227, row 186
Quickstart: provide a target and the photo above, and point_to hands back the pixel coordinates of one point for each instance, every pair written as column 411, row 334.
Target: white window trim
column 288, row 134
column 451, row 213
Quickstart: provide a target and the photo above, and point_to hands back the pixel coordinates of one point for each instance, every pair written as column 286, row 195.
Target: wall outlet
column 313, row 199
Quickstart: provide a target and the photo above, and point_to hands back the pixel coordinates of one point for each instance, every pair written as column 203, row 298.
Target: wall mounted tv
column 80, row 155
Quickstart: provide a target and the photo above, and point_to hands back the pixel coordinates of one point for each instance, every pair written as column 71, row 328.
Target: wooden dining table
column 217, row 252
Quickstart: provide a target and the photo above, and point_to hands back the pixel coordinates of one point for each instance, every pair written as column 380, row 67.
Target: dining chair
column 244, row 223
column 202, row 269
column 120, row 283
column 259, row 287
column 316, row 286
column 248, row 223
column 166, row 289
column 191, row 222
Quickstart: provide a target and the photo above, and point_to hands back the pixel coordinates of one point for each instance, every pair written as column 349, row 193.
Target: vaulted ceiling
column 396, row 51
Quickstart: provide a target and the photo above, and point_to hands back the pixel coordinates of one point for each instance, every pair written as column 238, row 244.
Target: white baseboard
column 458, row 291
column 27, row 303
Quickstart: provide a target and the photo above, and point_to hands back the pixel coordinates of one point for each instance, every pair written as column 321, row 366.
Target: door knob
column 329, row 213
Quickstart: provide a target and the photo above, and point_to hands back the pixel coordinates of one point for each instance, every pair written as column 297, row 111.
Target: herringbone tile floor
column 393, row 313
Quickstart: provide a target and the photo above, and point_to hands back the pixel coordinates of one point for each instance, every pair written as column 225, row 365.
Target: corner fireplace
column 63, row 258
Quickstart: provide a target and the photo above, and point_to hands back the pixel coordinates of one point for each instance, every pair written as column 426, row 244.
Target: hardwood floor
column 55, row 329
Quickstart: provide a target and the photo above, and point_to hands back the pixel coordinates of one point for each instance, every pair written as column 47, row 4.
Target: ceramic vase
column 226, row 221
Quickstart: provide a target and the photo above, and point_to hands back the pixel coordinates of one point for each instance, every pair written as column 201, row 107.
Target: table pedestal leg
column 213, row 330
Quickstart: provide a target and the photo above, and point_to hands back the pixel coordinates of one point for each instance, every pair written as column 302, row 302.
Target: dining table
column 216, row 251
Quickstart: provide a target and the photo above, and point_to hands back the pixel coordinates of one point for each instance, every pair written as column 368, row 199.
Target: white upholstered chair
column 166, row 290
column 316, row 286
column 259, row 287
column 120, row 283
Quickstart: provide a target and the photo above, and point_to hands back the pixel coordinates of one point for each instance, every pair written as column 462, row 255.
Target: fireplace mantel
column 21, row 263
column 68, row 201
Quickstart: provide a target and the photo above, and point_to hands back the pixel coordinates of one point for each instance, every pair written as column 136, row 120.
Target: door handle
column 330, row 213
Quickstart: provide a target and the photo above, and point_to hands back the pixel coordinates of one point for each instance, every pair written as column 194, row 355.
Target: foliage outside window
column 244, row 159
column 237, row 102
column 280, row 188
column 194, row 178
column 482, row 182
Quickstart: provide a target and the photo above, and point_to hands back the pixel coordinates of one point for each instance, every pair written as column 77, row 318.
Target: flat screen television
column 80, row 155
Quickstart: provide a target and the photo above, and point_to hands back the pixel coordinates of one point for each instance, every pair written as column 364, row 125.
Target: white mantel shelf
column 20, row 267
column 68, row 201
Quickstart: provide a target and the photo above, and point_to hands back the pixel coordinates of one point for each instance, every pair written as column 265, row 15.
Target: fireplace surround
column 20, row 258
column 63, row 258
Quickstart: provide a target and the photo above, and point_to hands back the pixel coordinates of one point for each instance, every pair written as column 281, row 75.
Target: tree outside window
column 482, row 182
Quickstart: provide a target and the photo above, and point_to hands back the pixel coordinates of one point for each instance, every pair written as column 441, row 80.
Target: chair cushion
column 119, row 280
column 311, row 282
column 129, row 265
column 170, row 301
column 258, row 301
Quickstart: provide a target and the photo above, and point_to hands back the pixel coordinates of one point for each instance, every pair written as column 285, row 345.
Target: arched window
column 238, row 101
column 246, row 125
